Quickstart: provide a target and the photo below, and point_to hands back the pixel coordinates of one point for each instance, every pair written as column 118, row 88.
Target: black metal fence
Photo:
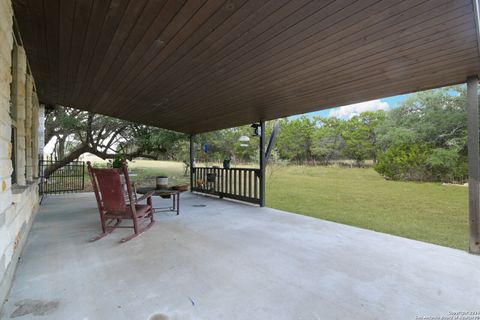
column 69, row 178
column 235, row 183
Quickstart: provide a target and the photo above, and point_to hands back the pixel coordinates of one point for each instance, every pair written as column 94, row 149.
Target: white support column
column 473, row 165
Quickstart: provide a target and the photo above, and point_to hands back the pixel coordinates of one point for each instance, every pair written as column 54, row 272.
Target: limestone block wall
column 19, row 108
column 6, row 40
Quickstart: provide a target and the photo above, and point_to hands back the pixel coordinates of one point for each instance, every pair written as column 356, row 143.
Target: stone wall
column 19, row 108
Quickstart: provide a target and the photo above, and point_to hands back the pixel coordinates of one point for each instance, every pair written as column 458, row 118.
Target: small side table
column 164, row 193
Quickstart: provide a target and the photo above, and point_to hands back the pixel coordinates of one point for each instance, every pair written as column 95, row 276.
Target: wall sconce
column 256, row 129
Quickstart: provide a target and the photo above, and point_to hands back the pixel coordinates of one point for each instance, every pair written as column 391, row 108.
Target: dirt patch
column 34, row 307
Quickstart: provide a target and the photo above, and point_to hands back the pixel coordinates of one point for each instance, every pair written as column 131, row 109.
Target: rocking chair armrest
column 146, row 196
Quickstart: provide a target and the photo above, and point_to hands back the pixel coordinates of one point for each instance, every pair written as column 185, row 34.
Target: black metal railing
column 235, row 183
column 69, row 178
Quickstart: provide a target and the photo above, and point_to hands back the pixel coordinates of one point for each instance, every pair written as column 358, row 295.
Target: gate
column 69, row 178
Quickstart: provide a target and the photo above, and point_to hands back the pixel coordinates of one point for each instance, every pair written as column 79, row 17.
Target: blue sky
column 349, row 111
column 346, row 112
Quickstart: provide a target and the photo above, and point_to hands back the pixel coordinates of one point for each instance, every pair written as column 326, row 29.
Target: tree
column 359, row 134
column 78, row 132
column 431, row 125
column 154, row 142
column 327, row 140
column 60, row 124
column 423, row 139
column 295, row 139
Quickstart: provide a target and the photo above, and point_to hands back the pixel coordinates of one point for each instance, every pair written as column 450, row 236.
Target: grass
column 429, row 212
column 147, row 170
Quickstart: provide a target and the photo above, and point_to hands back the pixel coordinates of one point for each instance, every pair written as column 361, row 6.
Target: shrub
column 420, row 162
column 447, row 165
column 404, row 162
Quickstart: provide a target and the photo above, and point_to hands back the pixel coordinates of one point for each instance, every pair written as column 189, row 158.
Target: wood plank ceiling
column 195, row 66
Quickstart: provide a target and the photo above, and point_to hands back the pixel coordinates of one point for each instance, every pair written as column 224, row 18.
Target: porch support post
column 262, row 163
column 192, row 157
column 473, row 164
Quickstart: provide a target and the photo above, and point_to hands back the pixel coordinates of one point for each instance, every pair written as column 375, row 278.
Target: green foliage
column 225, row 144
column 157, row 142
column 360, row 136
column 425, row 138
column 327, row 140
column 295, row 139
column 447, row 165
column 403, row 162
column 119, row 161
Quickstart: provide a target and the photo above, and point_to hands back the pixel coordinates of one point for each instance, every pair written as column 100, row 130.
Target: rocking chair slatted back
column 111, row 189
column 112, row 202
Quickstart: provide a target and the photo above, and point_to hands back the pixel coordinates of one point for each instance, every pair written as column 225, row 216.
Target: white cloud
column 347, row 112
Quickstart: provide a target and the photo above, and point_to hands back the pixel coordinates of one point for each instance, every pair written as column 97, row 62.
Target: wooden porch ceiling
column 195, row 66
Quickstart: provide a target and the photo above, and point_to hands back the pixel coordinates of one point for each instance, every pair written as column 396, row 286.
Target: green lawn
column 147, row 170
column 428, row 212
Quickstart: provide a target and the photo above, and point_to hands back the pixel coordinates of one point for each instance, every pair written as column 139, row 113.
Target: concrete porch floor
column 232, row 261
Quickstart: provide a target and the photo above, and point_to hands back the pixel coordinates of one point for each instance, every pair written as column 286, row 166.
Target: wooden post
column 192, row 157
column 262, row 164
column 473, row 164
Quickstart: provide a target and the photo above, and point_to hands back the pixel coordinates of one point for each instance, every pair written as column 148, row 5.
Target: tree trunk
column 61, row 148
column 81, row 149
column 66, row 160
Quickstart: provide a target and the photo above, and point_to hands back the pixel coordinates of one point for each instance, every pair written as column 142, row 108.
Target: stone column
column 18, row 100
column 28, row 127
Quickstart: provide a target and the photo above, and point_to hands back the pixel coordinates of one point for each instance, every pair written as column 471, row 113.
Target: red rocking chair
column 114, row 205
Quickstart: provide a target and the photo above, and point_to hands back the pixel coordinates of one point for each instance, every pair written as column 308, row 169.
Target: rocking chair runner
column 113, row 206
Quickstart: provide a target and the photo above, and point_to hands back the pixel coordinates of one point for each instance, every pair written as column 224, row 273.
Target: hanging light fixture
column 244, row 139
